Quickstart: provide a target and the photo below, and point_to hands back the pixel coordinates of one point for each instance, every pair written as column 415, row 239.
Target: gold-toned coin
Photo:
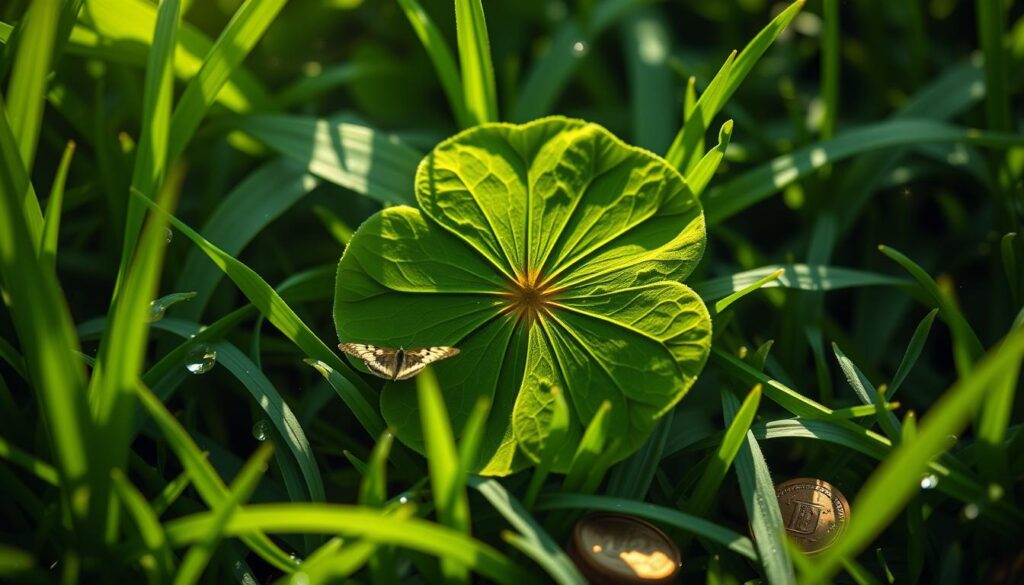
column 616, row 549
column 814, row 512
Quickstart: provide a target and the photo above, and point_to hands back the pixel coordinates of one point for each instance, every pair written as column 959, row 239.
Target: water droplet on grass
column 260, row 431
column 168, row 235
column 971, row 511
column 579, row 49
column 929, row 481
column 200, row 359
column 156, row 310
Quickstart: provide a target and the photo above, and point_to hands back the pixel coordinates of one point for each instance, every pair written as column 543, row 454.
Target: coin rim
column 586, row 556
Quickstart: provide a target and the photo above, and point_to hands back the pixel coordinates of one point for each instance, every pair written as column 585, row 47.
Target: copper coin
column 614, row 549
column 814, row 512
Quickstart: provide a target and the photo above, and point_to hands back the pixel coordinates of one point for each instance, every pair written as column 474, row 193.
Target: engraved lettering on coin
column 814, row 512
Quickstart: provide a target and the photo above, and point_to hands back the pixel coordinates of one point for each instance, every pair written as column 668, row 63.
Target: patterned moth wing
column 417, row 359
column 381, row 361
column 396, row 364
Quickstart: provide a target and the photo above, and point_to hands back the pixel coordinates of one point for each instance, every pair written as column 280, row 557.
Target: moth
column 396, row 364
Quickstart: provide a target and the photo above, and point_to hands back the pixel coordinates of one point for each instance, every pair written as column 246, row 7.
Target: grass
column 176, row 175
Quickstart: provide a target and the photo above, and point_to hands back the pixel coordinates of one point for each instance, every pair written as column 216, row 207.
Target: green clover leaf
column 551, row 255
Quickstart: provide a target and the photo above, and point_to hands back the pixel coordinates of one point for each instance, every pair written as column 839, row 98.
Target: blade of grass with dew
column 27, row 87
column 253, row 204
column 273, row 307
column 550, row 74
column 377, row 526
column 356, row 157
column 208, row 484
column 41, row 470
column 655, row 111
column 867, row 394
column 702, row 173
column 759, row 499
column 442, row 58
column 698, row 526
column 151, row 156
column 158, row 307
column 534, row 541
column 913, row 352
column 723, row 304
column 158, row 569
column 122, row 32
column 769, row 178
column 898, row 478
column 268, row 398
column 450, row 498
column 795, row 276
column 45, row 329
column 558, row 432
column 967, row 347
column 683, row 153
column 235, row 42
column 632, row 478
column 706, row 490
column 51, row 221
column 478, row 88
column 198, row 556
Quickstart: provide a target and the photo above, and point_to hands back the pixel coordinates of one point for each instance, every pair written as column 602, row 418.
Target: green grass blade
column 481, row 95
column 757, row 284
column 17, row 180
column 158, row 307
column 373, row 491
column 158, row 569
column 965, row 341
column 170, row 493
column 992, row 32
column 588, row 454
column 363, row 409
column 45, row 330
column 37, row 468
column 206, row 481
column 710, row 481
column 334, row 225
column 259, row 199
column 993, row 460
column 795, row 276
column 762, row 506
column 151, row 156
column 830, row 60
column 15, row 563
column 867, row 394
column 444, row 466
column 471, row 438
column 196, row 559
column 913, row 352
column 655, row 111
column 558, row 432
column 51, row 221
column 273, row 307
column 701, row 175
column 772, row 177
column 268, row 398
column 236, row 41
column 353, row 521
column 533, row 541
column 441, row 56
column 13, row 358
column 632, row 478
column 356, row 157
column 308, row 89
column 698, row 526
column 27, row 87
column 899, row 477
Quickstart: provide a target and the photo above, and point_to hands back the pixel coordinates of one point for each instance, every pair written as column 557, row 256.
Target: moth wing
column 429, row 355
column 381, row 361
column 409, row 370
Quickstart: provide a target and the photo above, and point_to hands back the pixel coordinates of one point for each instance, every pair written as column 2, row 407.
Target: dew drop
column 200, row 359
column 168, row 235
column 260, row 432
column 971, row 511
column 156, row 311
column 579, row 49
column 294, row 557
column 929, row 481
column 403, row 500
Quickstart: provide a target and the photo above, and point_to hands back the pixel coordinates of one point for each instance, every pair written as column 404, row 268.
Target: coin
column 814, row 512
column 614, row 549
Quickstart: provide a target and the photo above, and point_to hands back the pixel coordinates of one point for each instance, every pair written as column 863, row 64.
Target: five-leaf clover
column 551, row 254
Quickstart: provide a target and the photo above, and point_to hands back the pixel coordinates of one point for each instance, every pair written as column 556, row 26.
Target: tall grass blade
column 867, row 394
column 481, row 94
column 795, row 276
column 913, row 352
column 655, row 111
column 701, row 175
column 441, row 56
column 158, row 568
column 51, row 221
